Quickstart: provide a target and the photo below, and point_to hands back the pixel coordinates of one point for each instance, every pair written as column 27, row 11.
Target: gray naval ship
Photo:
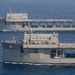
column 20, row 22
column 37, row 49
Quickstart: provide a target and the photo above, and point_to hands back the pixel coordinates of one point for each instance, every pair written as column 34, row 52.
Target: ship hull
column 66, row 61
column 26, row 28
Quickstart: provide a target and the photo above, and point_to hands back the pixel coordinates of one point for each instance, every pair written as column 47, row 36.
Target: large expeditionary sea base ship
column 20, row 22
column 37, row 49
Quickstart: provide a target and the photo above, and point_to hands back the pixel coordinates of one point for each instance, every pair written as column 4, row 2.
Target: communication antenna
column 30, row 33
column 10, row 10
column 30, row 30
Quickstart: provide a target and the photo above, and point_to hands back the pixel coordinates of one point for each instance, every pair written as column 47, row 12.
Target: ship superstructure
column 16, row 17
column 37, row 49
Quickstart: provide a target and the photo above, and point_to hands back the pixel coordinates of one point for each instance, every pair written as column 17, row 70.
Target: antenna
column 30, row 30
column 10, row 10
column 30, row 33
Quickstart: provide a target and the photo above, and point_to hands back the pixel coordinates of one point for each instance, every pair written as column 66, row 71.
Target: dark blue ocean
column 50, row 9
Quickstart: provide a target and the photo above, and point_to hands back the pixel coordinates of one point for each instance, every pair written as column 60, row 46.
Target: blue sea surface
column 50, row 9
column 9, row 69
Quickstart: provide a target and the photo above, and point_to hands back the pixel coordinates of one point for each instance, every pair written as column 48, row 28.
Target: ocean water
column 50, row 9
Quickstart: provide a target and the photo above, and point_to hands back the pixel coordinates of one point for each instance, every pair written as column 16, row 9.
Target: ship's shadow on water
column 23, row 69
